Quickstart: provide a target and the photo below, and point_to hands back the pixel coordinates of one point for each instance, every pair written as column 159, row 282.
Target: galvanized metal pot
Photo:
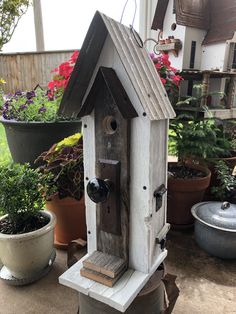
column 215, row 228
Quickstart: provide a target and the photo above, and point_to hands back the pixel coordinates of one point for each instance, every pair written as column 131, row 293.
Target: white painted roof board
column 141, row 71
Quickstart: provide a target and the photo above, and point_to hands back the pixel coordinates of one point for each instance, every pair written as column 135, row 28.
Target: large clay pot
column 27, row 140
column 25, row 255
column 182, row 195
column 71, row 221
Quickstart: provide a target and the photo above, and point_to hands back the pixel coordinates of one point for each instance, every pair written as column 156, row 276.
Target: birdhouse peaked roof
column 218, row 17
column 136, row 62
column 108, row 77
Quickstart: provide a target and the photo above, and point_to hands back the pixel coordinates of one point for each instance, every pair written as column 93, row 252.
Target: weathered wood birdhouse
column 124, row 108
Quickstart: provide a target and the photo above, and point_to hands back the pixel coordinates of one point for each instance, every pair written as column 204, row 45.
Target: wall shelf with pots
column 169, row 46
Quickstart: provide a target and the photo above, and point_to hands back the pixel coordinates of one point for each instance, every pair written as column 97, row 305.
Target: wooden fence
column 23, row 71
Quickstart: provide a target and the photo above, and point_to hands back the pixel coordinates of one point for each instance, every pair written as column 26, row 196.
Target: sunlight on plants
column 5, row 156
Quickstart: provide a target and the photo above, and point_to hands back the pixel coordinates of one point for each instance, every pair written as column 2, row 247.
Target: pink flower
column 158, row 66
column 163, row 81
column 74, row 57
column 168, row 75
column 176, row 79
column 63, row 73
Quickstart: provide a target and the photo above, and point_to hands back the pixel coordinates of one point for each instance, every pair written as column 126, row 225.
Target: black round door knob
column 98, row 190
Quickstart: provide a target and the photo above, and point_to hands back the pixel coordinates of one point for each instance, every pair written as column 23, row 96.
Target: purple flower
column 4, row 115
column 30, row 94
column 22, row 107
column 18, row 93
column 29, row 101
column 152, row 55
column 6, row 105
column 42, row 109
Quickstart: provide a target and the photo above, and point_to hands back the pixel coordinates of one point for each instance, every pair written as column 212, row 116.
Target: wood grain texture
column 101, row 278
column 121, row 295
column 89, row 173
column 114, row 146
column 193, row 13
column 23, row 71
column 222, row 113
column 143, row 167
column 107, row 76
column 105, row 264
column 38, row 24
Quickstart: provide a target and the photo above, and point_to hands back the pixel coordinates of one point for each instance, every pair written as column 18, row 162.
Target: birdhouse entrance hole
column 109, row 125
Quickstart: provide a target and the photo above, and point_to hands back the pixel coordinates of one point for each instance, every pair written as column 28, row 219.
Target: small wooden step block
column 105, row 264
column 98, row 277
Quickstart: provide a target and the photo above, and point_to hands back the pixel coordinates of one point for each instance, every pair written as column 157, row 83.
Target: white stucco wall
column 193, row 34
column 178, row 33
column 213, row 56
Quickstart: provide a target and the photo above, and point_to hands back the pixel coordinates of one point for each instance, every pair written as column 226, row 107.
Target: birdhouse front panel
column 112, row 161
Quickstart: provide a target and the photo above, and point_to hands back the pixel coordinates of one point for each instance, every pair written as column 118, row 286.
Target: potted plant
column 227, row 153
column 26, row 231
column 225, row 189
column 31, row 121
column 222, row 140
column 63, row 174
column 188, row 180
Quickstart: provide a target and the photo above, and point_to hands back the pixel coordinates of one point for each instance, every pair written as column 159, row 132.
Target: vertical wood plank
column 90, row 173
column 144, row 224
column 23, row 71
column 113, row 147
column 38, row 24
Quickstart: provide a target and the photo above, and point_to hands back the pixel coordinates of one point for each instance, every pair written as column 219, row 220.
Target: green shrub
column 20, row 197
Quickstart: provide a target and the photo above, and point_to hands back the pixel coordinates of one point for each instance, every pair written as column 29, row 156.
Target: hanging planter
column 27, row 140
column 31, row 118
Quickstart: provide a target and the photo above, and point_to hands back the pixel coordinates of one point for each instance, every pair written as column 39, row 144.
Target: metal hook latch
column 158, row 194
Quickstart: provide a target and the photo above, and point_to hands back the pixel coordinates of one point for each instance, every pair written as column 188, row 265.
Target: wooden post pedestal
column 150, row 300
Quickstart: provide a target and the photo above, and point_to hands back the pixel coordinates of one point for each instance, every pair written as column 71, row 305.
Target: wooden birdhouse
column 207, row 32
column 125, row 112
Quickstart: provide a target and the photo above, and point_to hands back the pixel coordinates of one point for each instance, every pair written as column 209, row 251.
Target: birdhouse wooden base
column 103, row 268
column 121, row 295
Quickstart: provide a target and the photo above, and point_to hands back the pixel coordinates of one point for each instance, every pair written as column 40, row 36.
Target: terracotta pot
column 182, row 195
column 71, row 221
column 161, row 42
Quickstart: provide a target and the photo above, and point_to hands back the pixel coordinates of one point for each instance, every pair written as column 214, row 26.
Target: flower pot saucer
column 6, row 275
column 60, row 245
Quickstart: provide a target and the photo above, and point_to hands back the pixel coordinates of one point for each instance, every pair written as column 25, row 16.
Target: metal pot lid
column 216, row 214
